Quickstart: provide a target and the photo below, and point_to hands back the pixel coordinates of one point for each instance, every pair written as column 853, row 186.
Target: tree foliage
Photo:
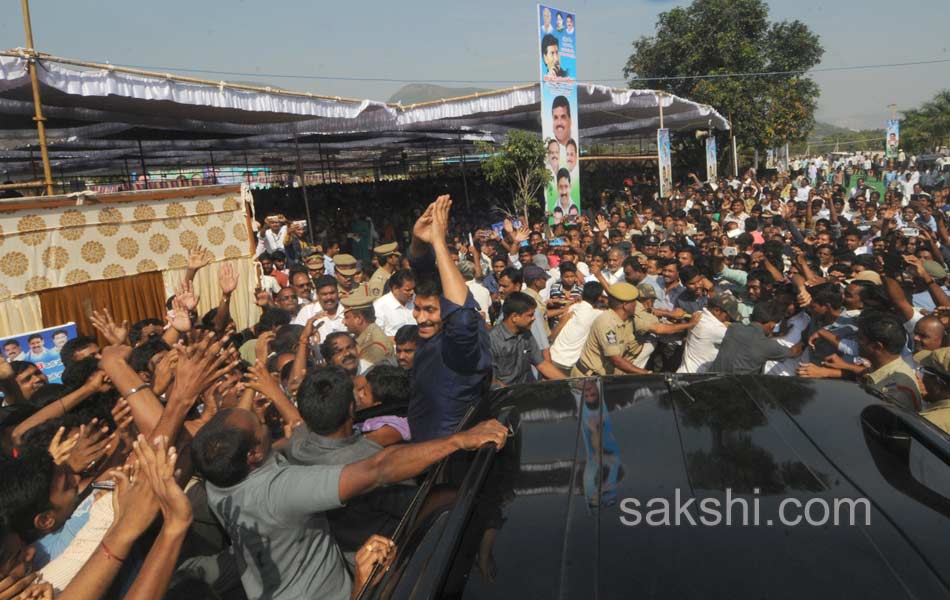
column 735, row 36
column 927, row 127
column 517, row 166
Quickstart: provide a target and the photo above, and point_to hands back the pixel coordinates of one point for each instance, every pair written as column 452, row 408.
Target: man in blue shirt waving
column 452, row 364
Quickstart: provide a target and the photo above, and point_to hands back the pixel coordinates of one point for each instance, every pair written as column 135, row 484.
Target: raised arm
column 404, row 461
column 453, row 285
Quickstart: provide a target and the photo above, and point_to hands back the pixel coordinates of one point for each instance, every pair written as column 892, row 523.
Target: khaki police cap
column 623, row 291
column 345, row 264
column 358, row 298
column 387, row 249
column 938, row 360
column 314, row 261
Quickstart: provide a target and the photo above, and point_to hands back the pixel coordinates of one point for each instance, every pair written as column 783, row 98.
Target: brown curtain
column 128, row 298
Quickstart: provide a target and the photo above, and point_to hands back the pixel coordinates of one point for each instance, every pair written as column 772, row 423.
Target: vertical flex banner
column 665, row 164
column 893, row 141
column 712, row 169
column 559, row 127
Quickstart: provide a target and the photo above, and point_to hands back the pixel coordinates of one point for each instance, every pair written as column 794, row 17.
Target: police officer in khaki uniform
column 344, row 270
column 935, row 366
column 372, row 344
column 316, row 266
column 611, row 345
column 387, row 255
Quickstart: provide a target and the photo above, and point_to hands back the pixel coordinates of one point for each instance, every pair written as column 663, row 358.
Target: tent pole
column 128, row 174
column 142, row 160
column 303, row 186
column 214, row 172
column 468, row 204
column 37, row 103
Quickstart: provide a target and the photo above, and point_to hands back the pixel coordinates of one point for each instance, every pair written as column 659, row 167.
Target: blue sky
column 487, row 40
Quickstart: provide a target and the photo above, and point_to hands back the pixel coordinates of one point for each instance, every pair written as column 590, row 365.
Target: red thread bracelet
column 108, row 553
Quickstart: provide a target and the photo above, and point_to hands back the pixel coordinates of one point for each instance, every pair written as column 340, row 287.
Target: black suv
column 572, row 507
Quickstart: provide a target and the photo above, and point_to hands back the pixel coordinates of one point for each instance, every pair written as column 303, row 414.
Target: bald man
column 929, row 334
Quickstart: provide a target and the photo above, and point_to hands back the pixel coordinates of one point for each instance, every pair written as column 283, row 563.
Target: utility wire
column 514, row 81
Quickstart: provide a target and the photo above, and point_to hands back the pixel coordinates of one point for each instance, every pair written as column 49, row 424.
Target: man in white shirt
column 274, row 234
column 479, row 292
column 702, row 343
column 327, row 304
column 571, row 333
column 394, row 309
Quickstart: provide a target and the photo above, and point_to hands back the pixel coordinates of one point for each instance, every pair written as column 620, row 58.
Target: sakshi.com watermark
column 742, row 511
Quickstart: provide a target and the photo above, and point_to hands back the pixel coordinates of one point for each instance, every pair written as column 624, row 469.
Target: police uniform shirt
column 373, row 345
column 609, row 336
column 377, row 283
column 938, row 413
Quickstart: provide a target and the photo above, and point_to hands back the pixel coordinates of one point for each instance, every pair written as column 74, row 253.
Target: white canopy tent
column 101, row 118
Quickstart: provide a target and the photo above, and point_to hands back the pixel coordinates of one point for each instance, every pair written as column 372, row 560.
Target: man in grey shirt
column 274, row 511
column 513, row 348
column 327, row 403
column 746, row 348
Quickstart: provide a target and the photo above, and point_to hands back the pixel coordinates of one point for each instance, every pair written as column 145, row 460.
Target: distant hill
column 423, row 92
column 823, row 130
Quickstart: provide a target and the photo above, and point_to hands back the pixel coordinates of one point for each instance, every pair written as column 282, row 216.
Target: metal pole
column 37, row 102
column 128, row 174
column 735, row 158
column 142, row 160
column 214, row 172
column 659, row 101
column 303, row 186
column 468, row 204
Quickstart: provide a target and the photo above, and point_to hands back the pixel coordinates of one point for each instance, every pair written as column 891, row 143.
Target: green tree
column 517, row 166
column 711, row 37
column 925, row 128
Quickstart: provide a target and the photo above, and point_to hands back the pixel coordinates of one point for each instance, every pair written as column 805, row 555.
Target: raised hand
column 440, row 217
column 262, row 298
column 198, row 257
column 262, row 345
column 227, row 278
column 164, row 371
column 133, row 501
column 157, row 462
column 106, row 325
column 522, row 234
column 185, row 294
column 422, row 230
column 122, row 415
column 181, row 318
column 59, row 448
column 198, row 367
column 602, row 223
column 261, row 381
column 93, row 445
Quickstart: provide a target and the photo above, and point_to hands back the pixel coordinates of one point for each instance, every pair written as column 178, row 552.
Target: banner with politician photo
column 893, row 139
column 559, row 123
column 712, row 168
column 664, row 162
column 40, row 348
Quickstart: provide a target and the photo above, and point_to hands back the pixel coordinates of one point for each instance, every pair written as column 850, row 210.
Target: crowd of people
column 280, row 458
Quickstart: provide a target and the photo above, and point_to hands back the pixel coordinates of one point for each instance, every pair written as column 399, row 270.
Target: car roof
column 556, row 495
